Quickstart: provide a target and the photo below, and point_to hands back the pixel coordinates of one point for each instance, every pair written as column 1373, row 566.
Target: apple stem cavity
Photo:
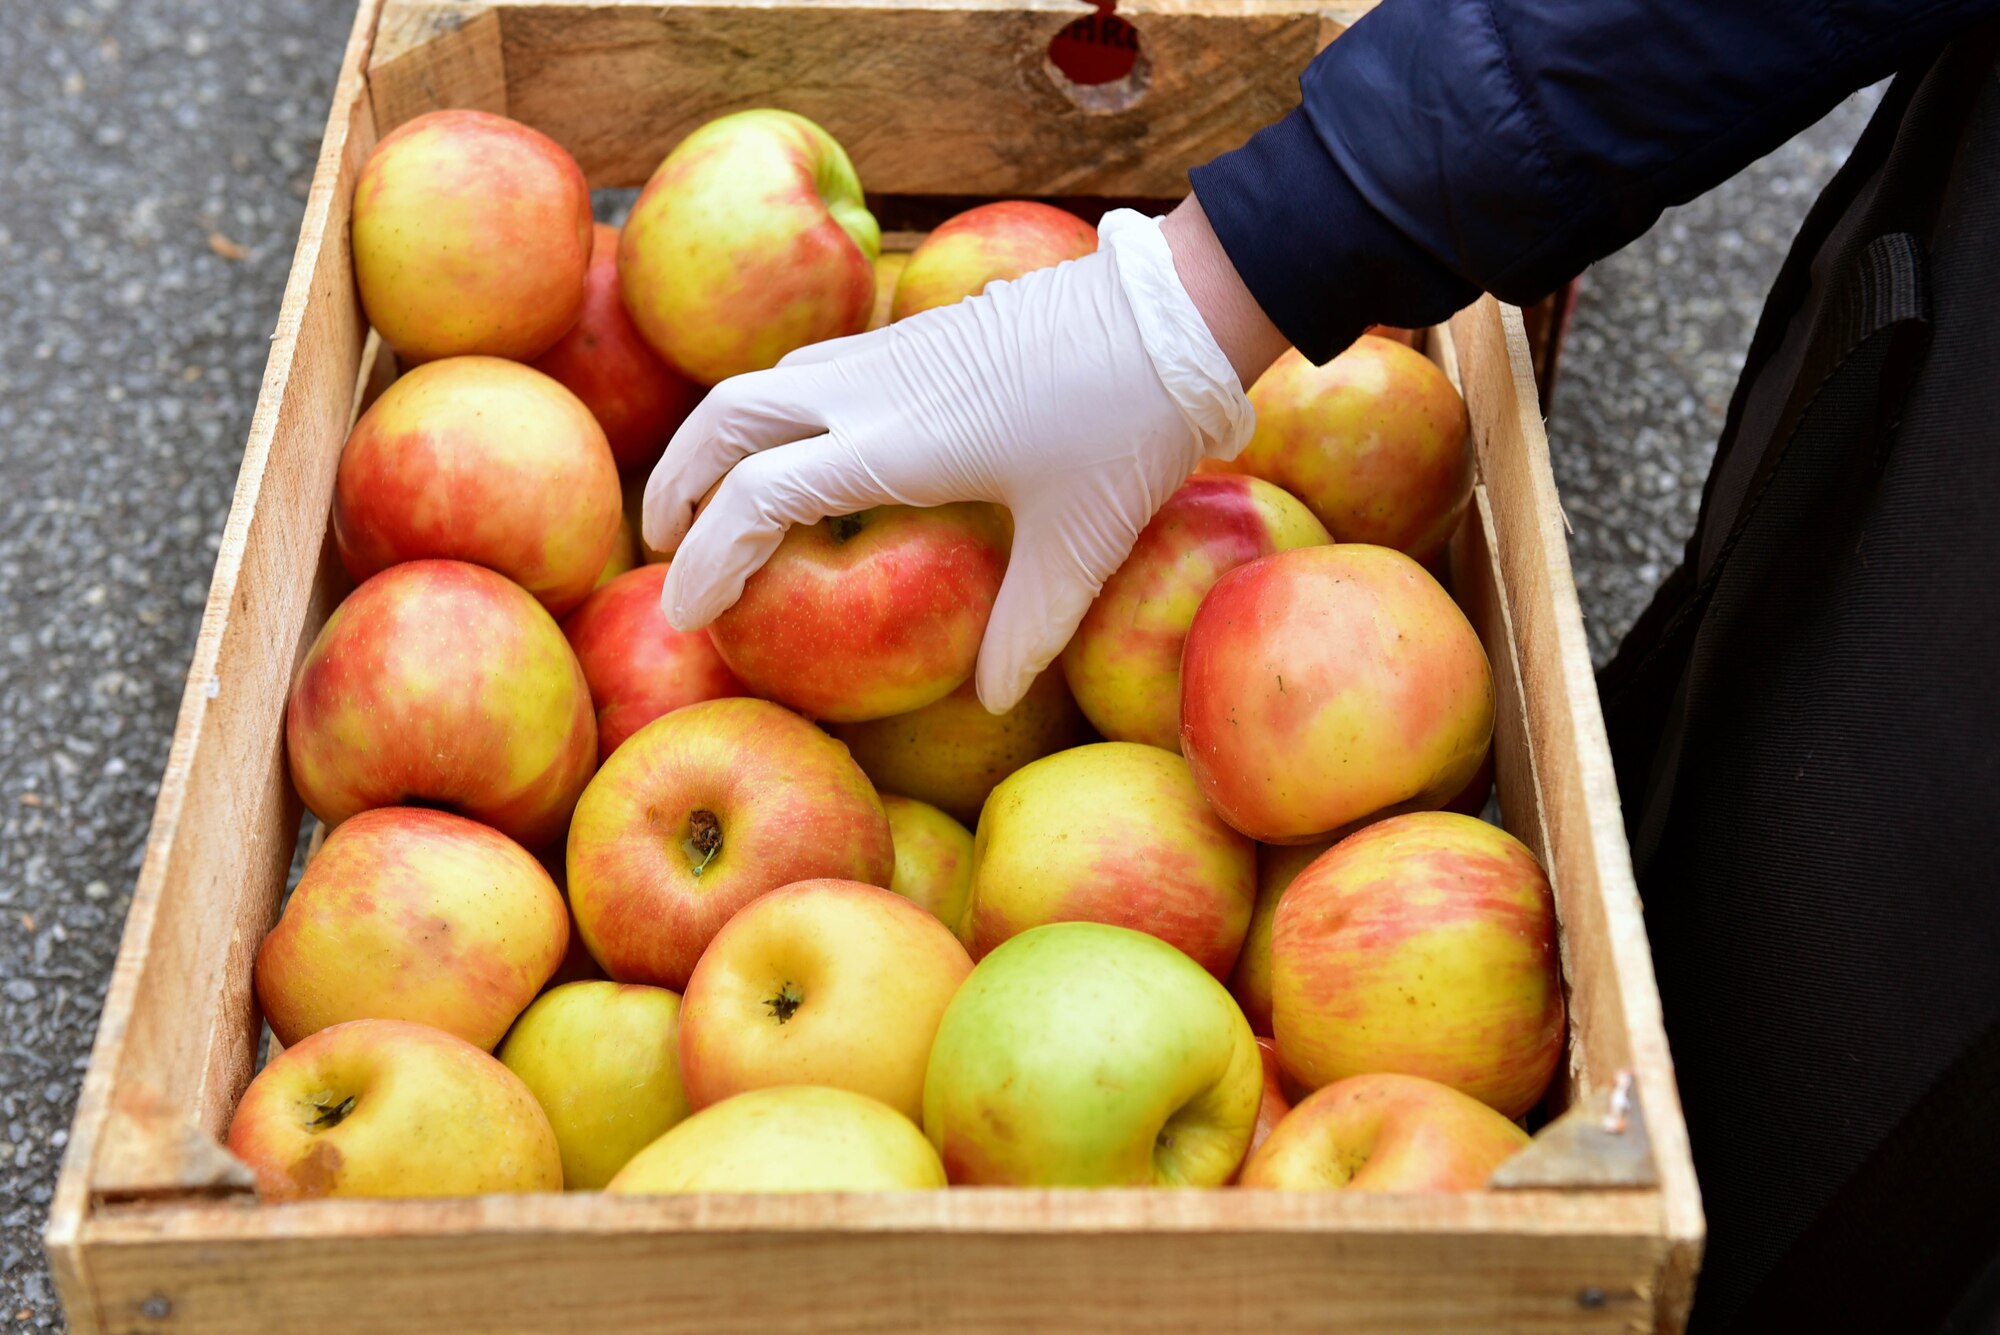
column 845, row 527
column 787, row 1002
column 331, row 1115
column 704, row 839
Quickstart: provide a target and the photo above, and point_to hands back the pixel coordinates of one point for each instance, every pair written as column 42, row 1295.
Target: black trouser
column 1807, row 729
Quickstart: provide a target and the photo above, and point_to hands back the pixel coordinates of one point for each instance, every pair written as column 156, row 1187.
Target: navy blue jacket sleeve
column 1447, row 147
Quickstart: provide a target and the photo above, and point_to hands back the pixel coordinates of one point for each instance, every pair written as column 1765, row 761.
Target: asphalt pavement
column 154, row 159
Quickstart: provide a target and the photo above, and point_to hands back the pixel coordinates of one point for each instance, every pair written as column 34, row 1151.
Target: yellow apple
column 603, row 1060
column 787, row 1138
column 820, row 983
column 933, row 858
column 409, row 914
column 1384, row 1133
column 1114, row 833
column 390, row 1108
column 1084, row 1055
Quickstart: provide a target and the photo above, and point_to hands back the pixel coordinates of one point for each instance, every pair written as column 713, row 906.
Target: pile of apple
column 711, row 897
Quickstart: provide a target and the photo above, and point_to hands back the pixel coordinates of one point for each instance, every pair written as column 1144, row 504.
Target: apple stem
column 704, row 839
column 332, row 1115
column 845, row 526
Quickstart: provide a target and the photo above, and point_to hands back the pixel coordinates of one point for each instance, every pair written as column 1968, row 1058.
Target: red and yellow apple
column 638, row 666
column 821, row 983
column 1325, row 685
column 750, row 240
column 933, row 858
column 637, row 398
column 1384, row 1133
column 700, row 812
column 982, row 245
column 471, row 235
column 1113, row 833
column 603, row 1061
column 438, row 683
column 952, row 753
column 635, row 506
column 624, row 554
column 1124, row 662
column 482, row 460
column 1424, row 944
column 391, row 1108
column 866, row 615
column 409, row 914
column 786, row 1138
column 889, row 267
column 1084, row 1055
column 1274, row 1105
column 1374, row 442
column 1250, row 980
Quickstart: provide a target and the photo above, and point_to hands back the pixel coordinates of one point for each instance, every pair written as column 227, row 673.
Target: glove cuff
column 1191, row 365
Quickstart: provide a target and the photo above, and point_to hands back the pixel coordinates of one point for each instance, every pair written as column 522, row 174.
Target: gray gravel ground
column 156, row 155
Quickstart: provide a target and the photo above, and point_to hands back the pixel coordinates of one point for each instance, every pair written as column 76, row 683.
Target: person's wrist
column 1235, row 320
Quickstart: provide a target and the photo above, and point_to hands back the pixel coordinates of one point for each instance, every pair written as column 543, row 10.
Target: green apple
column 602, row 1060
column 1081, row 1054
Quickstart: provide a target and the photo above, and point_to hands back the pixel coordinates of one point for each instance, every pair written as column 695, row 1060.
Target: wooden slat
column 957, row 1261
column 177, row 1029
column 435, row 55
column 930, row 97
column 1615, row 1000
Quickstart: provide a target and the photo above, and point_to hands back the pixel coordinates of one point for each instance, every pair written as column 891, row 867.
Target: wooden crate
column 1598, row 1227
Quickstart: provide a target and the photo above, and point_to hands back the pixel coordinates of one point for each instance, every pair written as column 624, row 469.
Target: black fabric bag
column 1806, row 725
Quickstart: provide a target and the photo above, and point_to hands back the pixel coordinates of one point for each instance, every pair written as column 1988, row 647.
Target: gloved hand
column 1079, row 397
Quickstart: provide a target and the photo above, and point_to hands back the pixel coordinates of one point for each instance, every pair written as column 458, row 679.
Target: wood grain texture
column 435, row 55
column 929, row 98
column 1614, row 1000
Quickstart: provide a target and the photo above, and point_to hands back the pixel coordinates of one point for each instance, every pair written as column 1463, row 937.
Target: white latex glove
column 1079, row 397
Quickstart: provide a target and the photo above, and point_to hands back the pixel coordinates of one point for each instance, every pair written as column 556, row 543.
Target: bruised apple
column 1113, row 833
column 952, row 752
column 1384, row 1133
column 409, row 914
column 866, row 615
column 638, row 666
column 1325, row 685
column 700, row 812
column 984, row 244
column 750, row 240
column 438, row 683
column 636, row 397
column 482, row 460
column 1124, row 662
column 471, row 235
column 1424, row 944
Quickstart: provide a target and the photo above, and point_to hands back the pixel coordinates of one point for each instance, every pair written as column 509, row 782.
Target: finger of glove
column 742, row 416
column 826, row 350
column 759, row 499
column 1047, row 590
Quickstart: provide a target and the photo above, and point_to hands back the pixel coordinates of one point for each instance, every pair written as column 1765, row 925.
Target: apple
column 1324, row 685
column 1114, row 833
column 700, row 812
column 603, row 360
column 1374, row 442
column 952, row 753
column 750, row 240
column 438, row 683
column 1406, row 337
column 787, row 1138
column 981, row 245
column 1471, row 799
column 638, row 666
column 1250, row 980
column 933, row 858
column 1273, row 1106
column 635, row 506
column 391, row 1108
column 820, row 983
column 889, row 267
column 1424, row 944
column 603, row 1061
column 408, row 914
column 482, row 460
column 866, row 615
column 1384, row 1132
column 471, row 235
column 624, row 554
column 1124, row 662
column 1085, row 1055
